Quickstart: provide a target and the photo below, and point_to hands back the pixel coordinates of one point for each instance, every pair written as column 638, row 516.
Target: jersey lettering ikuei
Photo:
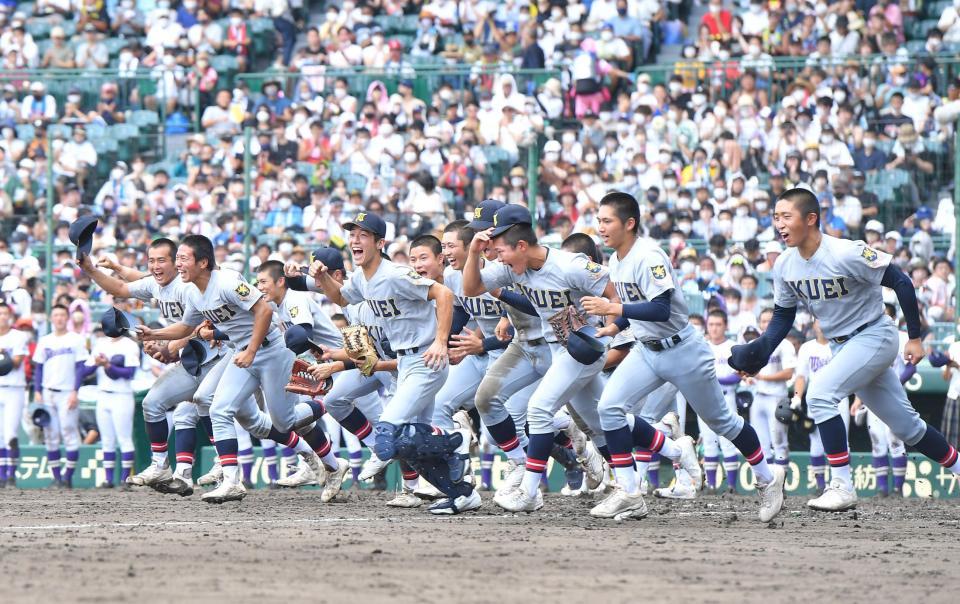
column 815, row 289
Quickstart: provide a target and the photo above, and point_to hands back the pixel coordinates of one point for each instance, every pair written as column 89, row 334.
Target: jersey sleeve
column 496, row 275
column 298, row 308
column 236, row 290
column 351, row 289
column 783, row 294
column 587, row 276
column 410, row 285
column 866, row 263
column 654, row 275
column 142, row 289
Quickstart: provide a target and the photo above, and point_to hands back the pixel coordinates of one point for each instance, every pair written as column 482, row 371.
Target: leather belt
column 664, row 344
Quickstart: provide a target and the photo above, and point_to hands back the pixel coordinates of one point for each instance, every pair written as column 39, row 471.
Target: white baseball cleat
column 214, row 476
column 306, row 474
column 682, row 488
column 426, row 490
column 578, row 437
column 517, row 500
column 225, row 492
column 464, row 503
column 594, row 466
column 689, row 462
column 373, row 466
column 566, row 491
column 512, row 478
column 672, row 421
column 151, row 476
column 771, row 494
column 180, row 484
column 405, row 499
column 837, row 497
column 334, row 480
column 461, row 419
column 618, row 503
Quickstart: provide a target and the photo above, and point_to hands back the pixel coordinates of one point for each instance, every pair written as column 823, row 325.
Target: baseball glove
column 567, row 320
column 303, row 382
column 360, row 348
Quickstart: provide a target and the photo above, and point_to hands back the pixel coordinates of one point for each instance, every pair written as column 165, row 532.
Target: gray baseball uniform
column 465, row 377
column 175, row 384
column 562, row 281
column 840, row 285
column 227, row 303
column 682, row 358
column 397, row 295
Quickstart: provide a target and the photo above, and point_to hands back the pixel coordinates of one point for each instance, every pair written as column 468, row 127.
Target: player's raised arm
column 108, row 283
column 325, row 281
column 472, row 282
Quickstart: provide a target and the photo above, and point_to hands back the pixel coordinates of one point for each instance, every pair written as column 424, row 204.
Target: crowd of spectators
column 705, row 116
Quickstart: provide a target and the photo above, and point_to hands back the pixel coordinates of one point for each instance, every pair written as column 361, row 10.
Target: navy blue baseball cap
column 483, row 214
column 508, row 216
column 368, row 221
column 330, row 257
column 81, row 234
column 193, row 355
column 297, row 339
column 116, row 322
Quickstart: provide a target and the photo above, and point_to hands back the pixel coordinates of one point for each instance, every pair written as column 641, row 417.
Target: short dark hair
column 202, row 249
column 803, row 200
column 428, row 241
column 272, row 267
column 59, row 307
column 462, row 229
column 517, row 233
column 163, row 241
column 583, row 244
column 625, row 206
column 716, row 312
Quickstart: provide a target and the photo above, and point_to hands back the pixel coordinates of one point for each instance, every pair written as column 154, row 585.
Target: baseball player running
column 115, row 360
column 13, row 394
column 261, row 361
column 58, row 373
column 299, row 308
column 554, row 281
column 669, row 349
column 353, row 400
column 418, row 331
column 840, row 282
column 175, row 385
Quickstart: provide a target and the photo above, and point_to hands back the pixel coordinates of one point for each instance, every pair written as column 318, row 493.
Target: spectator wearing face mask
column 284, row 216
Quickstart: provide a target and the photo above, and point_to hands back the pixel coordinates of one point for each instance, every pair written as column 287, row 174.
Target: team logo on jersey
column 869, row 255
column 659, row 271
column 593, row 267
column 413, row 274
column 243, row 290
column 294, row 312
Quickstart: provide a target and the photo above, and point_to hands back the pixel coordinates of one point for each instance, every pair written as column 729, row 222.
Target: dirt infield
column 87, row 546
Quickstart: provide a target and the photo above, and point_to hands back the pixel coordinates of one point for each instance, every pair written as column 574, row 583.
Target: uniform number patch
column 659, row 271
column 243, row 290
column 593, row 267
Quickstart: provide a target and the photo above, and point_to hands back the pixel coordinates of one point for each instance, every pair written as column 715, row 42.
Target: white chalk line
column 178, row 523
